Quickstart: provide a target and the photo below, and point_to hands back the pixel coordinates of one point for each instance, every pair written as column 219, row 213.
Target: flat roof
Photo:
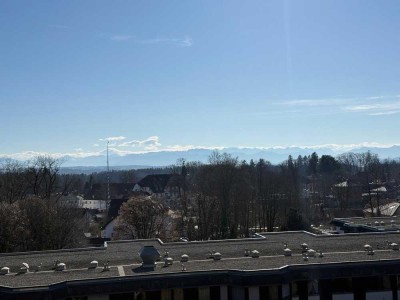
column 124, row 259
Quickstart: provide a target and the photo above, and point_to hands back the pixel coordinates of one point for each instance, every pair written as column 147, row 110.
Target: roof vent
column 217, row 256
column 376, row 223
column 5, row 270
column 24, row 268
column 287, row 252
column 255, row 254
column 311, row 252
column 60, row 266
column 93, row 264
column 211, row 254
column 382, row 223
column 168, row 261
column 149, row 255
column 184, row 258
column 304, row 247
column 367, row 247
column 394, row 246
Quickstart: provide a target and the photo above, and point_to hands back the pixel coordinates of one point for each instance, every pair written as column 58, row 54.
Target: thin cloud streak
column 185, row 42
column 315, row 102
column 178, row 42
column 376, row 109
column 371, row 106
column 394, row 112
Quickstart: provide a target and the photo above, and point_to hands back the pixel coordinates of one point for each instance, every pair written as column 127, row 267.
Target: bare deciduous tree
column 141, row 217
column 13, row 186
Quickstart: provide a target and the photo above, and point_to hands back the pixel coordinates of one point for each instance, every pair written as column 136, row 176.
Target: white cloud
column 96, row 145
column 187, row 42
column 28, row 155
column 152, row 143
column 113, row 139
column 190, row 147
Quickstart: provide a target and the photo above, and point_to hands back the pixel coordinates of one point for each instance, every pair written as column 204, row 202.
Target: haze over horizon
column 152, row 76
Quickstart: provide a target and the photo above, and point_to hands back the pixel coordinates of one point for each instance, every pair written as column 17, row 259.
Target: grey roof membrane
column 124, row 259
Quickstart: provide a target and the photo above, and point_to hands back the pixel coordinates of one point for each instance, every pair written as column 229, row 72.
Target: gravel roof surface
column 263, row 262
column 336, row 248
column 50, row 277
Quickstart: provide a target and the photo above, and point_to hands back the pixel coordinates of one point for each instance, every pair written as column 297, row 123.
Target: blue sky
column 156, row 75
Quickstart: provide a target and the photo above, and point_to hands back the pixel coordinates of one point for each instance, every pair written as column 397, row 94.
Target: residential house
column 108, row 229
column 117, row 191
column 165, row 187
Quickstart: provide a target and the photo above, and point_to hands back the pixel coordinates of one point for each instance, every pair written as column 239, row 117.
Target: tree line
column 223, row 198
column 228, row 198
column 32, row 217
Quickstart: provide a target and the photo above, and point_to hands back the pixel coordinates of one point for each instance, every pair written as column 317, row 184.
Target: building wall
column 94, row 204
column 108, row 231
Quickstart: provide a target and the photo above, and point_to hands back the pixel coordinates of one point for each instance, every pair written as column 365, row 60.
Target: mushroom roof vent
column 168, row 261
column 60, row 267
column 367, row 247
column 311, row 252
column 24, row 268
column 217, row 256
column 93, row 264
column 255, row 254
column 184, row 258
column 287, row 252
column 304, row 247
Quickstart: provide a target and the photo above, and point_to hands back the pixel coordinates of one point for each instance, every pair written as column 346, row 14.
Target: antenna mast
column 108, row 180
